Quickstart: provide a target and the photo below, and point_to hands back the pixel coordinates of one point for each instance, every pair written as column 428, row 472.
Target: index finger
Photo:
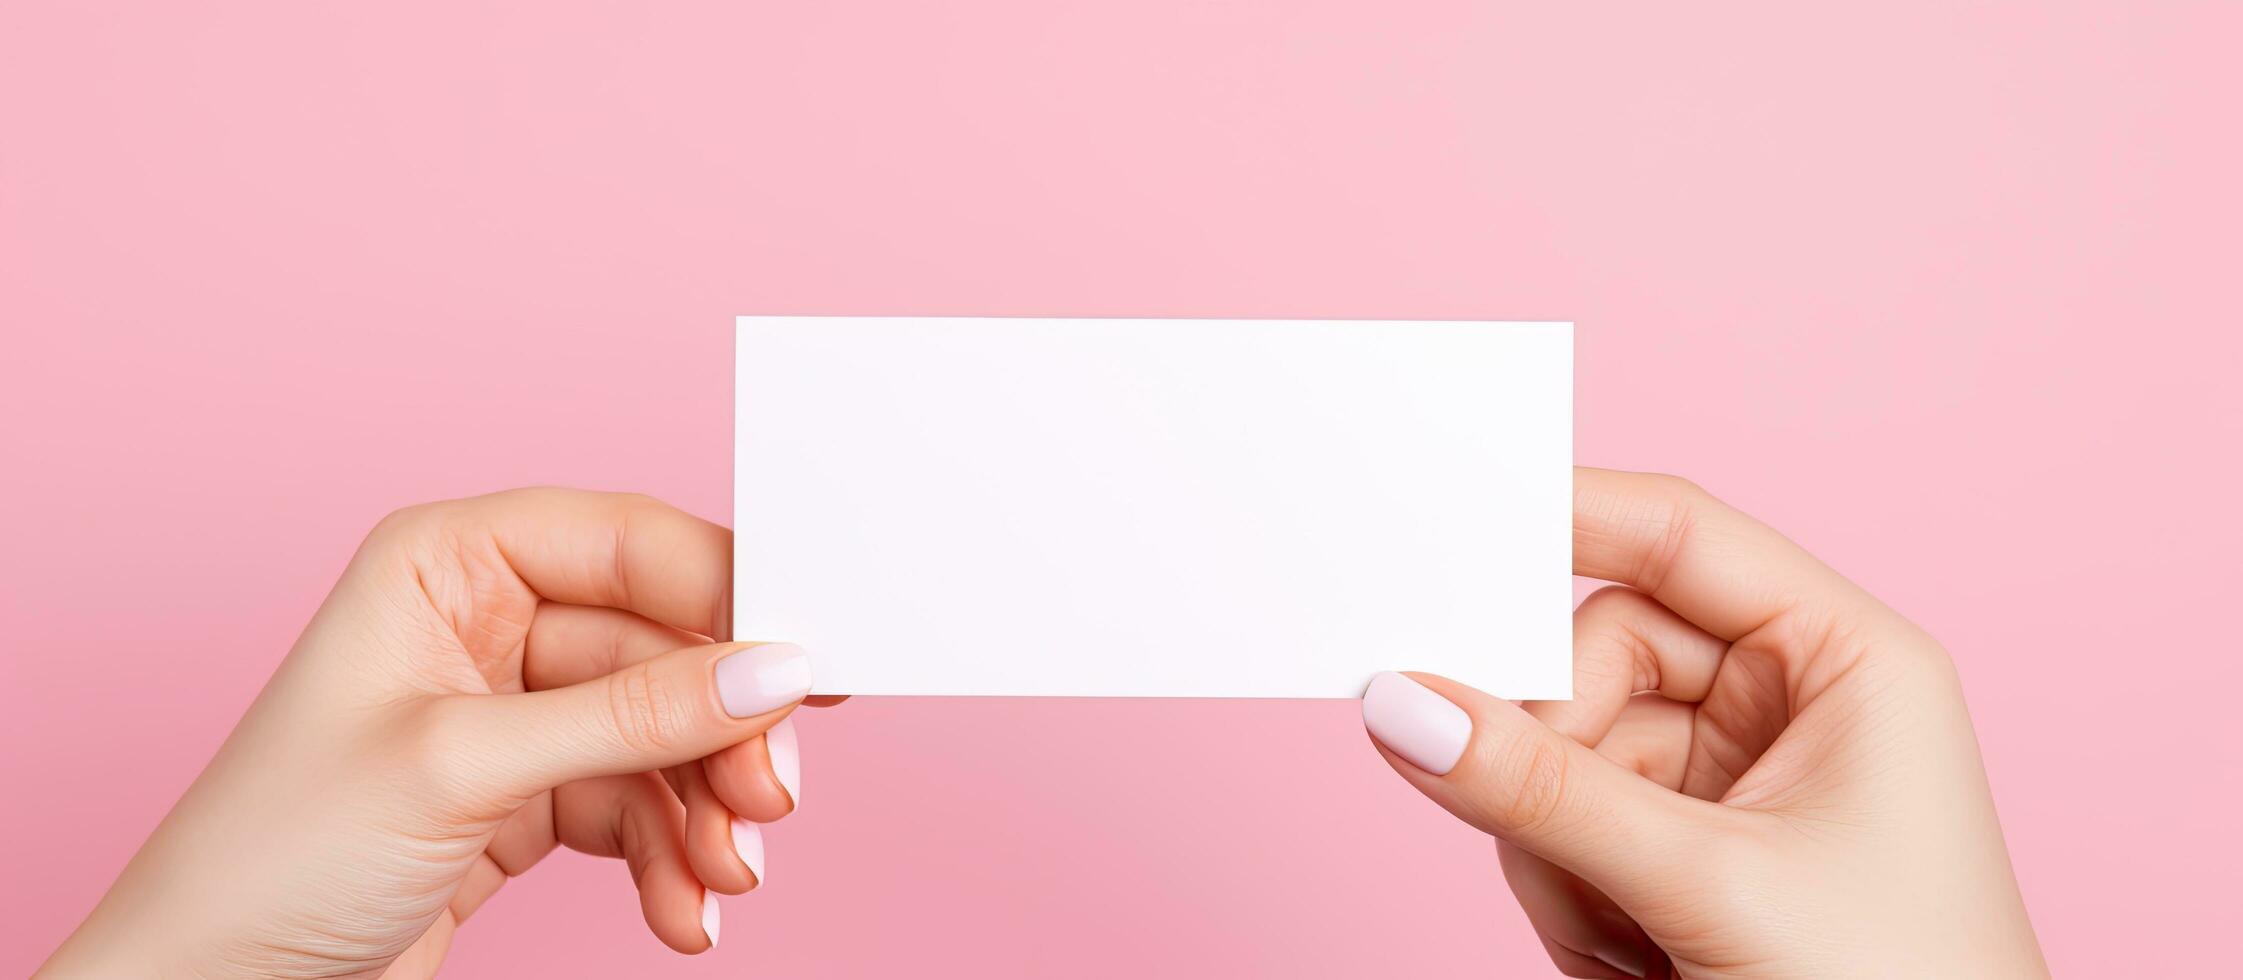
column 1709, row 562
column 619, row 550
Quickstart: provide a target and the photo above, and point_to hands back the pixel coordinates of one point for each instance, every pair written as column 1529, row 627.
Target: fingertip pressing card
column 1156, row 508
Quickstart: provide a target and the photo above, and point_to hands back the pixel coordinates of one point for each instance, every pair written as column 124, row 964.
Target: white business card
column 1156, row 508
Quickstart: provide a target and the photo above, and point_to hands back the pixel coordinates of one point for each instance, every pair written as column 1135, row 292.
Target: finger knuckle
column 1668, row 519
column 1680, row 489
column 419, row 529
column 622, row 508
column 404, row 522
column 1916, row 646
column 1528, row 783
column 1607, row 648
column 634, row 501
column 646, row 712
column 1614, row 611
column 1603, row 666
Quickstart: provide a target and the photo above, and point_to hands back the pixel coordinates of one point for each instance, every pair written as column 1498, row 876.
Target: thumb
column 659, row 712
column 1499, row 769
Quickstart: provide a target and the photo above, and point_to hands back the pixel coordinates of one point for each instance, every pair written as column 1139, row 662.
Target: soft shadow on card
column 1156, row 508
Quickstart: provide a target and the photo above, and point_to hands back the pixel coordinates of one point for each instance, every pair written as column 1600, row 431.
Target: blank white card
column 1156, row 508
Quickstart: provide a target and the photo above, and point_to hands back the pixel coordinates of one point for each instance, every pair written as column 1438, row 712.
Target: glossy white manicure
column 709, row 916
column 747, row 841
column 761, row 678
column 786, row 759
column 1413, row 722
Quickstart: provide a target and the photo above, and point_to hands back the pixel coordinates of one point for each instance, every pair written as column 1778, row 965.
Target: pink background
column 1949, row 295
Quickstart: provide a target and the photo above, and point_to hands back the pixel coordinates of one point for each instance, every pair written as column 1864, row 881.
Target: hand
column 490, row 678
column 1764, row 771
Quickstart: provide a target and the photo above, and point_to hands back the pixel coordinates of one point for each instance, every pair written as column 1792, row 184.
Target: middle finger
column 1625, row 643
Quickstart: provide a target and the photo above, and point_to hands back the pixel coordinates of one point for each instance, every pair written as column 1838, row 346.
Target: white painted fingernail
column 709, row 916
column 764, row 677
column 747, row 841
column 786, row 759
column 1415, row 723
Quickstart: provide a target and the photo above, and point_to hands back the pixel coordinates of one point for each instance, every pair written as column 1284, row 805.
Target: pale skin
column 490, row 679
column 1764, row 772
